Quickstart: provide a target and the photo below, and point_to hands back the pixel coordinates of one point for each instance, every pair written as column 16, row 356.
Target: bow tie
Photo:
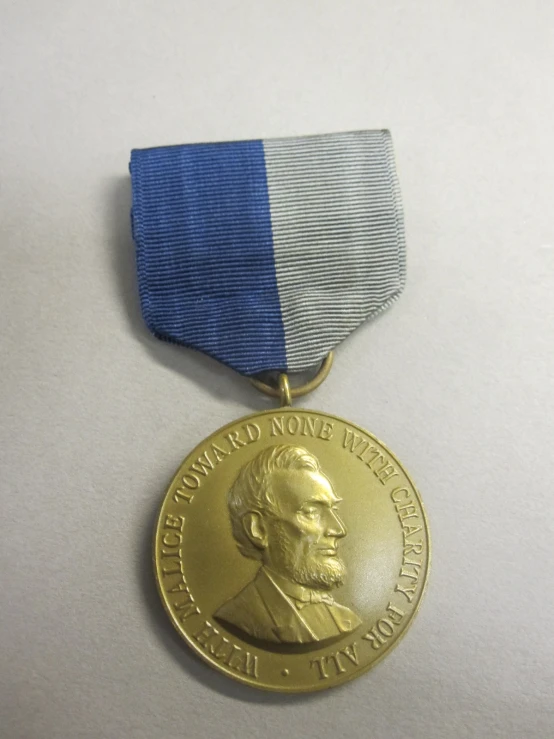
column 313, row 596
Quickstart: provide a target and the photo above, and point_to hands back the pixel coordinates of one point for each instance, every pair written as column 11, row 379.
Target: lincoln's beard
column 313, row 574
column 310, row 570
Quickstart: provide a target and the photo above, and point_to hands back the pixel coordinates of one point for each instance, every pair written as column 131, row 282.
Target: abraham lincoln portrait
column 284, row 514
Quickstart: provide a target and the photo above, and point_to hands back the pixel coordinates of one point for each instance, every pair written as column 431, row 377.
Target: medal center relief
column 301, row 502
column 284, row 513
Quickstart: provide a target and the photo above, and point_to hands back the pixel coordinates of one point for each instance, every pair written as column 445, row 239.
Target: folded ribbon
column 267, row 254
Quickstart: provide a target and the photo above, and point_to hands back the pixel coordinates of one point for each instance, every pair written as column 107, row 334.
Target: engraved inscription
column 216, row 453
column 381, row 466
column 172, row 568
column 301, row 426
column 335, row 663
column 225, row 651
column 410, row 570
column 382, row 631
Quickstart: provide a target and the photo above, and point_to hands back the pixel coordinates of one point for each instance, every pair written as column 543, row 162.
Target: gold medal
column 292, row 550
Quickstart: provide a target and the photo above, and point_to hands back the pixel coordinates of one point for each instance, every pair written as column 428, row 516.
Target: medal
column 292, row 549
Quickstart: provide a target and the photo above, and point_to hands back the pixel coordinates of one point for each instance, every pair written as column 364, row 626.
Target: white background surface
column 456, row 378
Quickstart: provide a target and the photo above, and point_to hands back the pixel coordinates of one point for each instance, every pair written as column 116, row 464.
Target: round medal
column 292, row 550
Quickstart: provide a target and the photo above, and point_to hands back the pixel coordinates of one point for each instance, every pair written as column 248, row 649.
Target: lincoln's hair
column 252, row 489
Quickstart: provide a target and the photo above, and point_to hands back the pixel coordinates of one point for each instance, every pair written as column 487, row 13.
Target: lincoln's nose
column 336, row 526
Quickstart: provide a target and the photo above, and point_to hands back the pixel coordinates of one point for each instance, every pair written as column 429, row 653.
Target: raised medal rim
column 234, row 675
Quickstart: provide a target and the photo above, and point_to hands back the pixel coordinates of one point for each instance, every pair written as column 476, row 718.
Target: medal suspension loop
column 285, row 393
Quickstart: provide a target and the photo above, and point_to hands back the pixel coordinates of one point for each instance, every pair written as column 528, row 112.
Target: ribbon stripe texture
column 266, row 254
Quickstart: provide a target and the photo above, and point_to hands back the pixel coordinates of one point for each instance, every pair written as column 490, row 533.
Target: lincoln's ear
column 255, row 529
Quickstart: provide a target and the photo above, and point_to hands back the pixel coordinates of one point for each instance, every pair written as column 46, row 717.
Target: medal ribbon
column 267, row 254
